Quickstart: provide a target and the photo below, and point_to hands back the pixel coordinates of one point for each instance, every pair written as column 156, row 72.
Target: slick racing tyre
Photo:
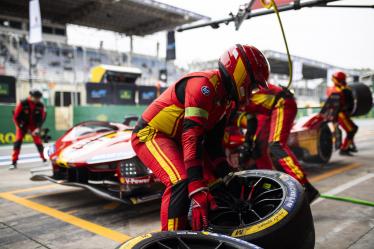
column 324, row 146
column 271, row 211
column 362, row 99
column 185, row 240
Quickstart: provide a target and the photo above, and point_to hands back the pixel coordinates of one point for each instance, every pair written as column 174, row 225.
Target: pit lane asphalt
column 44, row 215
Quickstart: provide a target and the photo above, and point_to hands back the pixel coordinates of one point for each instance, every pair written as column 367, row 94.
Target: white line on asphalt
column 10, row 146
column 22, row 161
column 345, row 186
column 29, row 155
column 24, row 145
column 336, row 230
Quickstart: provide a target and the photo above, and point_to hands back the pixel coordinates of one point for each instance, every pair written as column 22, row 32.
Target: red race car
column 98, row 156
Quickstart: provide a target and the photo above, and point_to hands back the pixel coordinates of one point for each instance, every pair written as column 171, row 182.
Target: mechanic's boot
column 13, row 165
column 311, row 192
column 353, row 148
column 345, row 152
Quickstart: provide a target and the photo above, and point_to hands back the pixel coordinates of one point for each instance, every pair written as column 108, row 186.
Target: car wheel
column 271, row 211
column 185, row 240
column 325, row 147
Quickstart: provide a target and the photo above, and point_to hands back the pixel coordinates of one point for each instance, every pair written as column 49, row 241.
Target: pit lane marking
column 345, row 186
column 334, row 172
column 67, row 218
column 104, row 231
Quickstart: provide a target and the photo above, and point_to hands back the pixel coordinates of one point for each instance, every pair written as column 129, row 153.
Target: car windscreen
column 89, row 128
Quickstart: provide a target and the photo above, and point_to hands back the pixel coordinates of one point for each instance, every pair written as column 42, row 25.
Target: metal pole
column 215, row 24
column 75, row 95
column 348, row 6
column 131, row 50
column 30, row 65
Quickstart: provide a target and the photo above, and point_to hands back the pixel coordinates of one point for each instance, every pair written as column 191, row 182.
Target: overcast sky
column 342, row 37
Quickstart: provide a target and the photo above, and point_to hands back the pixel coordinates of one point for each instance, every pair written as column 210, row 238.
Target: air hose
column 268, row 4
column 348, row 199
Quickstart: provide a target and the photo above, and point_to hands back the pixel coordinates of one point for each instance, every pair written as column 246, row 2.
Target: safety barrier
column 84, row 113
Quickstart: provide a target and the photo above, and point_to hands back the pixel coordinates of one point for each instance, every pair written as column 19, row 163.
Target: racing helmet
column 36, row 93
column 339, row 78
column 246, row 68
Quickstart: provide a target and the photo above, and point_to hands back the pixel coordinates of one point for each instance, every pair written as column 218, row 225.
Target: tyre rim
column 178, row 242
column 259, row 198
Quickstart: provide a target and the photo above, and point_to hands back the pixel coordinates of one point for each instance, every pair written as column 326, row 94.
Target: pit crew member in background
column 340, row 87
column 28, row 117
column 274, row 110
column 179, row 136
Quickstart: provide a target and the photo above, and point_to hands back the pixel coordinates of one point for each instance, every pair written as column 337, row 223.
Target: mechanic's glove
column 201, row 202
column 36, row 132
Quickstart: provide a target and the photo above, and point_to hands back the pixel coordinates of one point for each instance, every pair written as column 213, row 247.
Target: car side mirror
column 130, row 120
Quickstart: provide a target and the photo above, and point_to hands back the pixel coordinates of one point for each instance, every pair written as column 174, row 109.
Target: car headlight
column 133, row 167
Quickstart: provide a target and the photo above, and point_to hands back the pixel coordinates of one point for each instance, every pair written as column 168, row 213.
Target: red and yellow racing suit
column 179, row 137
column 344, row 119
column 27, row 117
column 275, row 109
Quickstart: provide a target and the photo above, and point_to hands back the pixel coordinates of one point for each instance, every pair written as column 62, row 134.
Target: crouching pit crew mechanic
column 179, row 136
column 344, row 120
column 28, row 117
column 269, row 116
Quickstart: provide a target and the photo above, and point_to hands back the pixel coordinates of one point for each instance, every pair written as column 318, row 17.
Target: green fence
column 7, row 128
column 80, row 114
column 84, row 113
column 105, row 113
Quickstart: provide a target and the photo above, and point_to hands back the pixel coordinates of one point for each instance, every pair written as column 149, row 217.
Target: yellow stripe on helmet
column 239, row 73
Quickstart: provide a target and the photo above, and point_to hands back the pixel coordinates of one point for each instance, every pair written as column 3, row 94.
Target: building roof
column 121, row 69
column 131, row 17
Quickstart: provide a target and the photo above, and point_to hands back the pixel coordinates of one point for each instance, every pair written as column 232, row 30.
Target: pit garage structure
column 130, row 17
column 126, row 17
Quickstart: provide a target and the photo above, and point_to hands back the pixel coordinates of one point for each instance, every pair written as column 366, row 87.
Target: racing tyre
column 325, row 147
column 186, row 240
column 271, row 211
column 362, row 99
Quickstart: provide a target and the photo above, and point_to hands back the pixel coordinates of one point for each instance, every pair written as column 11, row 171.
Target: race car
column 314, row 138
column 98, row 156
